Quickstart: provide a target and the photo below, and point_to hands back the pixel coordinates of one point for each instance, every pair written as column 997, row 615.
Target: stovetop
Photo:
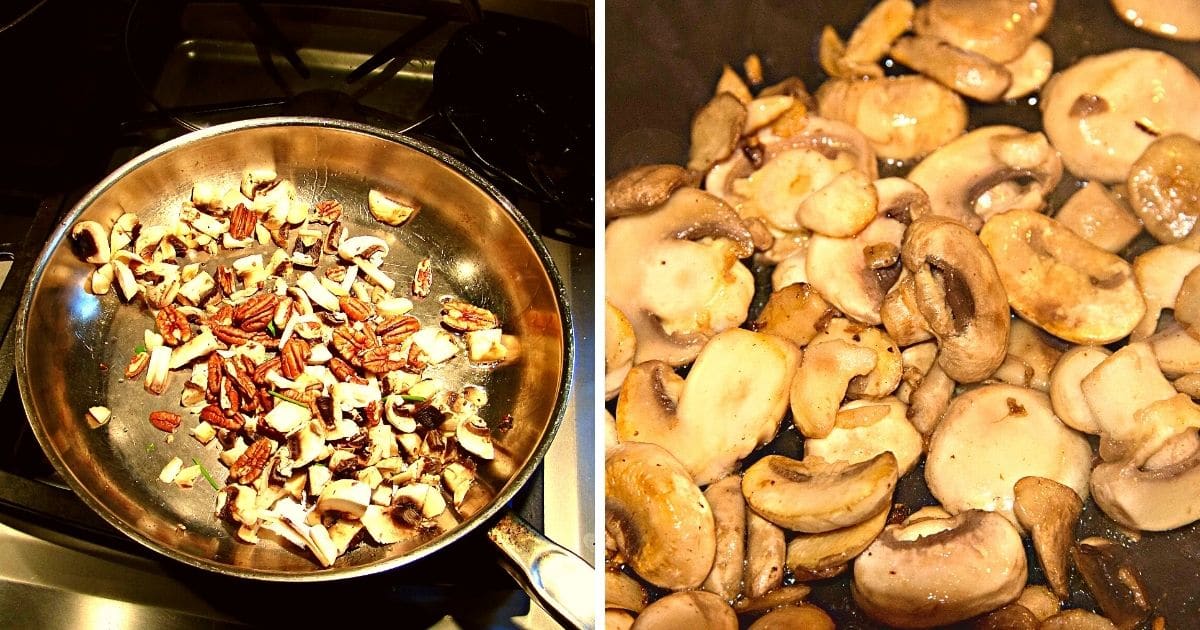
column 91, row 85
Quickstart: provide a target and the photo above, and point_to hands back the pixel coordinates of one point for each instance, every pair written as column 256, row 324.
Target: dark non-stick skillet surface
column 663, row 58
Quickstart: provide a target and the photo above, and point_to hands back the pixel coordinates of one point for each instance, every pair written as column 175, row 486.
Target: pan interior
column 75, row 345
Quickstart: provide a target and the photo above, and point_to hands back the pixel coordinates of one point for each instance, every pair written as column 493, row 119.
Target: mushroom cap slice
column 1060, row 282
column 732, row 402
column 716, row 128
column 988, row 171
column 959, row 293
column 619, row 347
column 1102, row 112
column 642, row 189
column 1111, row 576
column 690, row 609
column 1149, row 499
column 1173, row 19
column 1066, row 392
column 1164, row 187
column 935, row 572
column 813, row 553
column 815, row 496
column 904, row 117
column 883, row 379
column 794, row 312
column 1030, row 70
column 1049, row 511
column 998, row 29
column 624, row 592
column 1077, row 619
column 1160, row 272
column 617, row 619
column 821, row 382
column 657, row 516
column 691, row 242
column 968, row 73
column 994, row 435
column 804, row 616
column 1100, row 217
column 866, row 428
column 765, row 553
column 729, row 515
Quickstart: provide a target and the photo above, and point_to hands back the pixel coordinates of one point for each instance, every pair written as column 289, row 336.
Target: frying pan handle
column 558, row 579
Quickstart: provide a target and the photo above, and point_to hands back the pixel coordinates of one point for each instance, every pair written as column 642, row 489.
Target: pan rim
column 490, row 511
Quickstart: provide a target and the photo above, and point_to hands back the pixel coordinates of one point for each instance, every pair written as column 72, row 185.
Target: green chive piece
column 141, row 349
column 271, row 329
column 204, row 471
column 286, row 399
column 408, row 398
column 150, row 448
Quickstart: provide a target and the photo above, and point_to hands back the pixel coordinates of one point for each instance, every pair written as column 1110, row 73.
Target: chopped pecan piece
column 327, row 211
column 337, row 273
column 173, row 326
column 213, row 390
column 250, row 465
column 231, row 335
column 350, row 343
column 233, row 398
column 466, row 317
column 226, row 280
column 165, row 421
column 384, row 359
column 256, row 312
column 395, row 329
column 337, row 234
column 213, row 415
column 355, row 309
column 341, row 370
column 423, row 278
column 294, row 357
column 240, row 377
column 259, row 376
column 242, row 222
column 137, row 364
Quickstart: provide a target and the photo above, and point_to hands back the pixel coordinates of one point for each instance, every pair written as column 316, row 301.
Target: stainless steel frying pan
column 72, row 346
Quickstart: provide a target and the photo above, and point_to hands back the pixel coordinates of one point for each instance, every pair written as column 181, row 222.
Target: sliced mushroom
column 765, row 552
column 624, row 592
column 1173, row 19
column 929, row 401
column 344, row 496
column 915, row 362
column 731, row 83
column 968, row 73
column 642, row 189
column 765, row 110
column 814, row 496
column 1049, row 511
column 1011, row 617
column 1149, row 499
column 883, row 379
column 91, row 242
column 620, row 345
column 821, row 382
column 657, row 517
column 674, row 274
column 1113, row 580
column 732, row 402
column 1066, row 392
column 959, row 294
column 841, row 208
column 1102, row 112
column 940, row 571
column 691, row 609
column 1177, row 352
column 866, row 428
column 1077, row 619
column 904, row 117
column 809, row 554
column 729, row 517
column 617, row 619
column 901, row 317
column 1031, row 70
column 831, row 54
column 988, row 171
column 716, row 128
column 998, row 29
column 783, row 596
column 391, row 210
column 1160, row 273
column 1102, row 219
column 804, row 616
column 1039, row 600
column 873, row 36
column 1118, row 390
column 1060, row 282
column 994, row 435
column 1164, row 187
column 1031, row 357
column 795, row 312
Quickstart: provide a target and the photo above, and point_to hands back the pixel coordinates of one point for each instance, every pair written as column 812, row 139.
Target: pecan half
column 240, row 377
column 355, row 309
column 230, row 335
column 256, row 312
column 226, row 280
column 466, row 317
column 173, row 325
column 295, row 356
column 327, row 211
column 341, row 370
column 213, row 415
column 213, row 390
column 259, row 376
column 250, row 465
column 233, row 398
column 242, row 222
column 423, row 278
column 384, row 359
column 395, row 329
column 349, row 343
column 165, row 421
column 137, row 364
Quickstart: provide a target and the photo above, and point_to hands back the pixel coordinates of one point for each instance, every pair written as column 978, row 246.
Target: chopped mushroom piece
column 642, row 189
column 904, row 117
column 866, row 428
column 804, row 616
column 729, row 517
column 812, row 554
column 1121, row 386
column 1039, row 600
column 795, row 312
column 657, row 517
column 998, row 29
column 1066, row 392
column 391, row 210
column 1031, row 70
column 814, row 496
column 883, row 379
column 624, row 592
column 1173, row 19
column 1113, row 580
column 715, row 131
column 765, row 553
column 619, row 346
column 782, row 596
column 1102, row 112
column 940, row 571
column 1160, row 273
column 1049, row 511
column 689, row 609
column 965, row 72
column 1149, row 498
column 821, row 382
column 1077, row 619
column 1031, row 357
column 841, row 208
column 1097, row 215
column 1164, row 187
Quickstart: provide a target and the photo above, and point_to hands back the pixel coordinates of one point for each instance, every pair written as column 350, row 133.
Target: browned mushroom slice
column 674, row 274
column 657, row 517
column 617, row 619
column 821, row 382
column 1031, row 357
column 1160, row 273
column 729, row 515
column 1097, row 215
column 1113, row 580
column 765, row 552
column 624, row 592
column 732, row 402
column 1049, row 511
column 733, row 84
column 782, row 596
column 1040, row 600
column 642, row 189
column 1031, row 70
column 904, row 117
column 1060, row 282
column 1150, row 499
column 935, row 572
column 1011, row 617
column 690, row 609
column 831, row 54
column 998, row 29
column 873, row 36
column 988, row 171
column 804, row 616
column 1077, row 619
column 1164, row 187
column 1177, row 352
column 965, row 72
column 885, row 376
column 915, row 362
column 959, row 294
column 1103, row 111
column 1135, row 407
column 815, row 553
column 1173, row 19
column 866, row 428
column 814, row 496
column 992, row 436
column 901, row 318
column 619, row 348
column 929, row 401
column 796, row 312
column 716, row 128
